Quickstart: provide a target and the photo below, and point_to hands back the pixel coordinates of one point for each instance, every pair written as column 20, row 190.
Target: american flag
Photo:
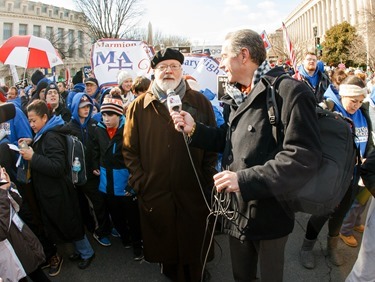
column 292, row 54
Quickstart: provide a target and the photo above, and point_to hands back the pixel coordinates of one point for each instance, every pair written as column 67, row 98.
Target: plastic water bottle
column 76, row 168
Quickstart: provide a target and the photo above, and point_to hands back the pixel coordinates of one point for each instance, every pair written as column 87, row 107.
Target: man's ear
column 245, row 54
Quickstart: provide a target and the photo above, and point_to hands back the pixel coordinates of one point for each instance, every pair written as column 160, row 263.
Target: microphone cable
column 220, row 206
column 194, row 169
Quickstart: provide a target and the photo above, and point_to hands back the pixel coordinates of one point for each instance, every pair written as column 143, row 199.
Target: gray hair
column 249, row 39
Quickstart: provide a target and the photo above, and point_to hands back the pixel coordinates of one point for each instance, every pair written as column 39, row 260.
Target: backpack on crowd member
column 76, row 150
column 337, row 171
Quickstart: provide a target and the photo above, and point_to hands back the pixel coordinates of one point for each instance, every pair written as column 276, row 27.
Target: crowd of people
column 151, row 169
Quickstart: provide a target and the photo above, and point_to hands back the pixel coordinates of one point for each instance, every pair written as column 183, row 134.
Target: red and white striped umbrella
column 29, row 51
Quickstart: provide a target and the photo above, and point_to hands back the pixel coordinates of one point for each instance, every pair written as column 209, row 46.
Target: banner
column 110, row 56
column 13, row 70
column 204, row 69
column 267, row 43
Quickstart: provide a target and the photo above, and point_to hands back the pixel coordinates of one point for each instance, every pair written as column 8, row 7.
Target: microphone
column 173, row 101
column 7, row 112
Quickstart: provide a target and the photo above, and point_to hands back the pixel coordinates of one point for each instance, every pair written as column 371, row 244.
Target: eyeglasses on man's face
column 165, row 67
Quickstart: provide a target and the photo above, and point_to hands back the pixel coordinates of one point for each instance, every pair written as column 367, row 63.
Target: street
column 115, row 263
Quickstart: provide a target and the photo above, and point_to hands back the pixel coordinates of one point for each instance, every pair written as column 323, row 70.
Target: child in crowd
column 109, row 165
column 83, row 126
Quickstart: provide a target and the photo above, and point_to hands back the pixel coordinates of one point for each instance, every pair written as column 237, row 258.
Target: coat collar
column 257, row 90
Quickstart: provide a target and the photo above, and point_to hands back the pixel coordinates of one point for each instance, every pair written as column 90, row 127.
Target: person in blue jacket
column 109, row 165
column 312, row 73
column 83, row 126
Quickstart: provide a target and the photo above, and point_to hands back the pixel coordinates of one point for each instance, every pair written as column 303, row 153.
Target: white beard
column 167, row 84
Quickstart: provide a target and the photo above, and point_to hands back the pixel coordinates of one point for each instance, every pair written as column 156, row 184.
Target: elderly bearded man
column 172, row 207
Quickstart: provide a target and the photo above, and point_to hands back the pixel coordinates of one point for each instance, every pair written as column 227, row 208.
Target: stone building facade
column 63, row 27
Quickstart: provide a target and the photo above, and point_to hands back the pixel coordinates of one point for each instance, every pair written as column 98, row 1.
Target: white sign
column 13, row 70
column 204, row 69
column 110, row 56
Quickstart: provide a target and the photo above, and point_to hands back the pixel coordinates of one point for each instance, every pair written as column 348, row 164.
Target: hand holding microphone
column 182, row 120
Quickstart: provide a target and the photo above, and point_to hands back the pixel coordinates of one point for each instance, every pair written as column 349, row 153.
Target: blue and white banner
column 204, row 69
column 110, row 56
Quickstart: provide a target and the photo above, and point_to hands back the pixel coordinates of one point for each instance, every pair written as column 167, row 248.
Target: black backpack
column 76, row 149
column 338, row 170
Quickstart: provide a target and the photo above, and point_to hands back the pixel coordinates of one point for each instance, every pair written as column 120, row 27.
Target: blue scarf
column 313, row 80
column 51, row 123
column 359, row 120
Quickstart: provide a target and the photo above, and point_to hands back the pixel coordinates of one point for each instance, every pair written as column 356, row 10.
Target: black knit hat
column 50, row 86
column 77, row 78
column 167, row 54
column 36, row 77
column 41, row 85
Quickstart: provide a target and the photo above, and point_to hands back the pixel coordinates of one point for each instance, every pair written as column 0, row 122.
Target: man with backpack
column 257, row 170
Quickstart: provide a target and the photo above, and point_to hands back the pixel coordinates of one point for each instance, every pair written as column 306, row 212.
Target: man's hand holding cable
column 183, row 120
column 226, row 181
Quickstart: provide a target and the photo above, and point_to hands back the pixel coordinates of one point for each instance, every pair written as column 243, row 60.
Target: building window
column 38, row 11
column 60, row 38
column 50, row 13
column 22, row 29
column 60, row 34
column 80, row 37
column 9, row 7
column 37, row 30
column 49, row 32
column 71, row 43
column 44, row 9
column 7, row 30
column 80, row 44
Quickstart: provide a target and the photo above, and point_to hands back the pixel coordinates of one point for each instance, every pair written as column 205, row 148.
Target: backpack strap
column 272, row 84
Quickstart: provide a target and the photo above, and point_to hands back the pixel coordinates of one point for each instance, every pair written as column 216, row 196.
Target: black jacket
column 265, row 171
column 55, row 194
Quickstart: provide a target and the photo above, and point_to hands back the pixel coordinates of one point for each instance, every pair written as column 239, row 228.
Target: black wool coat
column 265, row 171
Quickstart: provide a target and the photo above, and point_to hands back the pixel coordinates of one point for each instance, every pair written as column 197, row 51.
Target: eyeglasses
column 165, row 67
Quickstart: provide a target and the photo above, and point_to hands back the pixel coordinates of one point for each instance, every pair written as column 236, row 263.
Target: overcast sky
column 206, row 22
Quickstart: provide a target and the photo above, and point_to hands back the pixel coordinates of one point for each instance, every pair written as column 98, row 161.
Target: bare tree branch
column 109, row 18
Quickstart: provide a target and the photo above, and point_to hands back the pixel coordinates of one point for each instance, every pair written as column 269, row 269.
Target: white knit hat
column 123, row 75
column 351, row 90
